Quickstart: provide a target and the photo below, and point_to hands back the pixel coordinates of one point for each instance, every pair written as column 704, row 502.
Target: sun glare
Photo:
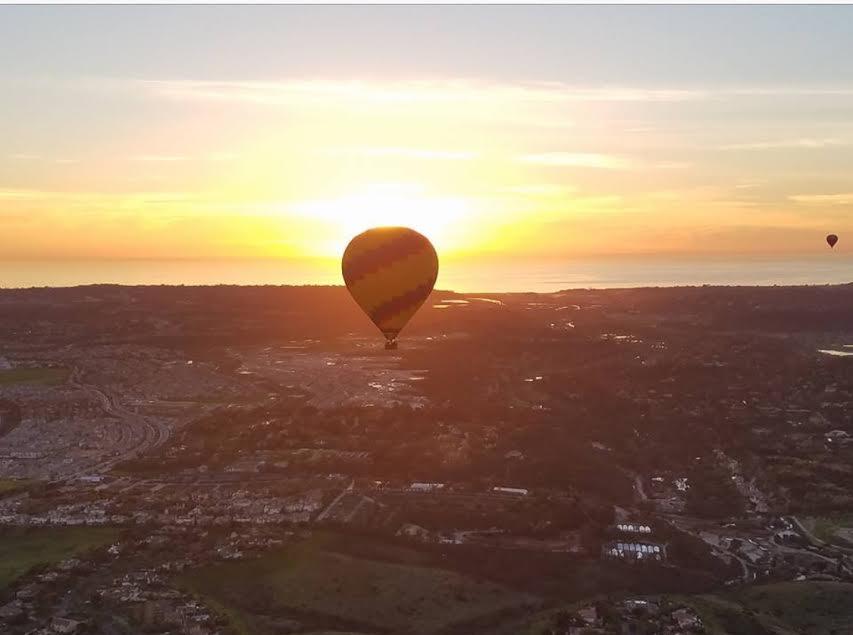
column 386, row 204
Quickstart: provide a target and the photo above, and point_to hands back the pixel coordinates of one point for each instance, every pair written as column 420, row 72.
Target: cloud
column 111, row 201
column 38, row 157
column 22, row 194
column 292, row 91
column 344, row 92
column 540, row 189
column 749, row 184
column 784, row 143
column 405, row 91
column 671, row 165
column 787, row 91
column 823, row 199
column 596, row 160
column 403, row 153
column 158, row 158
column 578, row 160
column 172, row 158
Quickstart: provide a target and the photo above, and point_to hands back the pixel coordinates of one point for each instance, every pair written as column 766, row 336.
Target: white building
column 515, row 491
column 426, row 487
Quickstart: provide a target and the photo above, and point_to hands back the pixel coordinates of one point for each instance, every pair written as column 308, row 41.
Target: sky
column 508, row 132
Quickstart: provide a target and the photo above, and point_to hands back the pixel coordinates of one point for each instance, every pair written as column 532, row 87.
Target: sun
column 386, row 204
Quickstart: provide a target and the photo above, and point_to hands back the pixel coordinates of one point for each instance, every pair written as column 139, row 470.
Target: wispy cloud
column 805, row 143
column 292, row 91
column 670, row 165
column 113, row 200
column 540, row 189
column 456, row 89
column 158, row 158
column 22, row 194
column 403, row 153
column 172, row 158
column 39, row 157
column 749, row 184
column 600, row 161
column 578, row 160
column 786, row 91
column 823, row 199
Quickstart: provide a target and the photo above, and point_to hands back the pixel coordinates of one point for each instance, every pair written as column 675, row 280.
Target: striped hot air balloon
column 390, row 272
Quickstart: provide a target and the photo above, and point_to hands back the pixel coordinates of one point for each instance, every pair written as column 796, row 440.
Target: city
column 250, row 460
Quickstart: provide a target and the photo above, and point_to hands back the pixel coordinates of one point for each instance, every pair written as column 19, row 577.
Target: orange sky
column 174, row 157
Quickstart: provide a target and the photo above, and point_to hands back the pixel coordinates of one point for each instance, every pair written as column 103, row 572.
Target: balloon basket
column 391, row 346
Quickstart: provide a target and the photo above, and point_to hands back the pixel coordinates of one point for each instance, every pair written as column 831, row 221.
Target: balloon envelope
column 390, row 272
column 832, row 239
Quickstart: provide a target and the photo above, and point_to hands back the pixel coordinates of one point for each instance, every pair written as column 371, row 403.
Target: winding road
column 142, row 432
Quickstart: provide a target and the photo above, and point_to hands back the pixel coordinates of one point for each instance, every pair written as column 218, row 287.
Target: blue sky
column 648, row 45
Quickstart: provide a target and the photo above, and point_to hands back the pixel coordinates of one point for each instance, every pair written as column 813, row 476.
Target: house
column 589, row 614
column 515, row 491
column 634, row 528
column 639, row 604
column 634, row 551
column 686, row 619
column 28, row 592
column 65, row 626
column 426, row 487
column 11, row 612
column 414, row 531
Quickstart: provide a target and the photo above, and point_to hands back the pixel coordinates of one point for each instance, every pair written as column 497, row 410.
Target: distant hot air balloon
column 831, row 240
column 390, row 272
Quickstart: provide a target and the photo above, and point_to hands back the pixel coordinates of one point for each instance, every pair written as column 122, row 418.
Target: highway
column 137, row 435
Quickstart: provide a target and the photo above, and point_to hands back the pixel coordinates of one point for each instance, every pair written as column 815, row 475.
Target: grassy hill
column 44, row 376
column 788, row 608
column 785, row 608
column 335, row 592
column 22, row 549
column 11, row 485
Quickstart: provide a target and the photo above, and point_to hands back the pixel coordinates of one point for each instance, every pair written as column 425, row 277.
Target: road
column 323, row 514
column 140, row 433
column 817, row 542
column 689, row 526
column 334, row 380
column 638, row 487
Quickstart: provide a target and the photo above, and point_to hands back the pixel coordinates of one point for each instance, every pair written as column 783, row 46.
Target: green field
column 11, row 485
column 44, row 376
column 833, row 529
column 336, row 593
column 785, row 608
column 805, row 607
column 22, row 549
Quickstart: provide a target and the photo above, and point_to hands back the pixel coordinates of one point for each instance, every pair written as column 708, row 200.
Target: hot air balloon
column 390, row 272
column 831, row 240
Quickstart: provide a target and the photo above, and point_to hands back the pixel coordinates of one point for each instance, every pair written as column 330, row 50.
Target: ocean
column 466, row 277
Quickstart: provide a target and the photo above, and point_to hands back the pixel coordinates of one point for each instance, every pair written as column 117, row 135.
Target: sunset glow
column 180, row 156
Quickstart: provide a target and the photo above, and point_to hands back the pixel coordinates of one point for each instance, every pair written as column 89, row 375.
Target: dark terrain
column 256, row 452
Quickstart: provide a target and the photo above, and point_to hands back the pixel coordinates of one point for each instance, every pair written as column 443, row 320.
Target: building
column 65, row 626
column 515, row 491
column 632, row 528
column 426, row 487
column 634, row 551
column 686, row 619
